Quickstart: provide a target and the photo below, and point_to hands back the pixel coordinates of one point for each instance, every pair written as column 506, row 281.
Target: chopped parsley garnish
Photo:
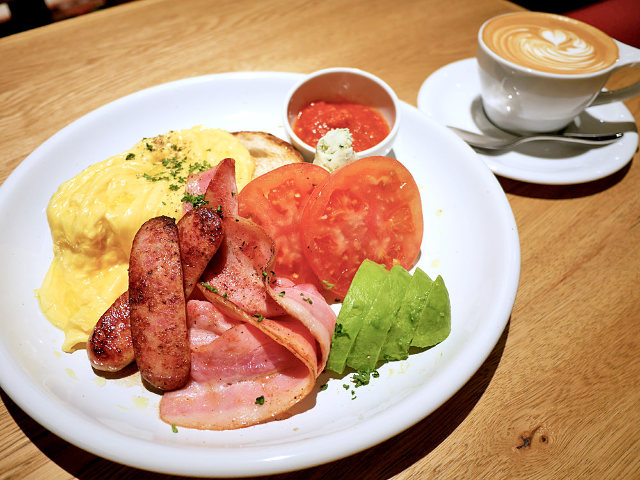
column 327, row 285
column 174, row 429
column 260, row 400
column 282, row 293
column 362, row 377
column 324, row 387
column 172, row 168
column 195, row 200
column 172, row 163
column 154, row 178
column 211, row 288
column 259, row 317
column 199, row 167
column 337, row 331
column 130, row 156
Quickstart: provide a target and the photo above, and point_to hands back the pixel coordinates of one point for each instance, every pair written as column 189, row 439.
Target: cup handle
column 629, row 57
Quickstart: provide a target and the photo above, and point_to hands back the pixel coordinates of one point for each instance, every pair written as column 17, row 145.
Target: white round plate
column 470, row 238
column 451, row 96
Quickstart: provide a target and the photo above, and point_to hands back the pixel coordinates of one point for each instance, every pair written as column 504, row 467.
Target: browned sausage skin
column 157, row 305
column 200, row 234
column 109, row 347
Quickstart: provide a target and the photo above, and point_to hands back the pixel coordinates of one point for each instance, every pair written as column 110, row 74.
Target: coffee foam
column 549, row 43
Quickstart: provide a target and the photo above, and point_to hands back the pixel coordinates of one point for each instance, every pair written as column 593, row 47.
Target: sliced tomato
column 275, row 201
column 370, row 208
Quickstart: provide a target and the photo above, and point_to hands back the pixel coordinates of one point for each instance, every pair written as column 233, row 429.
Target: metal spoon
column 494, row 143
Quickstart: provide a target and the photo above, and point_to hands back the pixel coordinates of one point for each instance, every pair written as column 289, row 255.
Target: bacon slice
column 256, row 369
column 224, row 406
column 218, row 184
column 287, row 331
column 238, row 270
column 243, row 352
column 306, row 304
column 197, row 184
column 250, row 374
column 202, row 315
column 200, row 234
column 206, row 323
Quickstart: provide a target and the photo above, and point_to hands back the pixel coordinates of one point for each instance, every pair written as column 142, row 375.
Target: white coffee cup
column 538, row 71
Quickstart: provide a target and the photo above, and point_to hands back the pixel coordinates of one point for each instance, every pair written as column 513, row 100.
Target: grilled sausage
column 200, row 234
column 110, row 348
column 157, row 305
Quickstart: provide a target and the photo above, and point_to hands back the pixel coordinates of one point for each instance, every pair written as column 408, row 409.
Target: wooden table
column 559, row 395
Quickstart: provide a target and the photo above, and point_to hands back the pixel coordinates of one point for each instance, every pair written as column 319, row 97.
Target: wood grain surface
column 559, row 395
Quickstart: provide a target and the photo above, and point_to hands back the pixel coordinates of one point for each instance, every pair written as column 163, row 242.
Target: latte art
column 548, row 50
column 550, row 43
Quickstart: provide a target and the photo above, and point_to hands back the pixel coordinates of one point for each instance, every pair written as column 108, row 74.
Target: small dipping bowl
column 343, row 85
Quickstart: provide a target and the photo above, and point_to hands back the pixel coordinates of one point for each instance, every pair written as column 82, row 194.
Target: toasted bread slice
column 268, row 151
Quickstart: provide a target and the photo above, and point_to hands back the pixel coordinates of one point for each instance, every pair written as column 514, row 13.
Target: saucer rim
column 499, row 164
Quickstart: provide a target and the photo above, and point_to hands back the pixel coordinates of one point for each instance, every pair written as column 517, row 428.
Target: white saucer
column 451, row 96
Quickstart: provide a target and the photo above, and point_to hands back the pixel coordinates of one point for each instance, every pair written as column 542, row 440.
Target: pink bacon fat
column 200, row 235
column 206, row 323
column 259, row 366
column 305, row 303
column 254, row 372
column 226, row 406
column 238, row 270
column 218, row 185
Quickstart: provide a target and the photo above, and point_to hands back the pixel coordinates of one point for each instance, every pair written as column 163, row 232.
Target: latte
column 550, row 43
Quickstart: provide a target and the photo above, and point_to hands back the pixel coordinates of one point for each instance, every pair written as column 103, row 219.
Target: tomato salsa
column 367, row 126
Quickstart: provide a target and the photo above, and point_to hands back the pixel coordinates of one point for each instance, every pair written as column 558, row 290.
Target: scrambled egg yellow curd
column 94, row 216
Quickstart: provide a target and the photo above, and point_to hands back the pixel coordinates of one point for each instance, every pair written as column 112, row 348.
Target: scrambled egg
column 94, row 216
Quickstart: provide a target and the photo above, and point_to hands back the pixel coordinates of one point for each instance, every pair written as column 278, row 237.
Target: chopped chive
column 211, row 288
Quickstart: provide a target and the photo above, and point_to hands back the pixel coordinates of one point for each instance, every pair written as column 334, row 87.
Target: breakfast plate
column 470, row 239
column 451, row 96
